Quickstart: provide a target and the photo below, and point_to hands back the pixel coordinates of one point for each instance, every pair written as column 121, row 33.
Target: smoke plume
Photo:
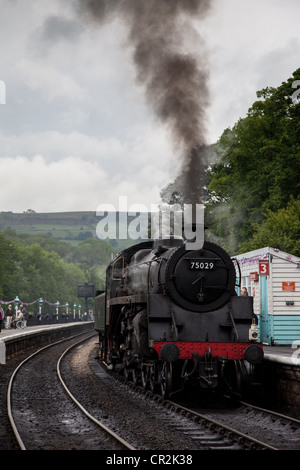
column 175, row 79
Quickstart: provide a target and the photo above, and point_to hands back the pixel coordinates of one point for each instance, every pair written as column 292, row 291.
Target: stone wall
column 281, row 386
column 26, row 340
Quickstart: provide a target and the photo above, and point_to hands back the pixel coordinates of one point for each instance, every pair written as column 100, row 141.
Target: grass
column 71, row 227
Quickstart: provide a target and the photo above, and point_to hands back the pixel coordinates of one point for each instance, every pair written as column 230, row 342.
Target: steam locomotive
column 170, row 317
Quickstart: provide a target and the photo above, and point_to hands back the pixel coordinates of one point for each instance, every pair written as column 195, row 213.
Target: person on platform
column 244, row 292
column 18, row 317
column 9, row 316
column 2, row 316
column 25, row 314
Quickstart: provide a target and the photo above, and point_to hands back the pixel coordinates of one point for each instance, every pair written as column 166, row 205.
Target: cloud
column 77, row 172
column 142, row 146
column 54, row 145
column 50, row 81
column 59, row 28
column 76, row 130
column 252, row 45
column 69, row 184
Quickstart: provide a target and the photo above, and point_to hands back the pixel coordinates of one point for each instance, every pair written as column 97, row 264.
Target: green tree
column 8, row 260
column 45, row 274
column 258, row 166
column 280, row 229
column 92, row 252
column 40, row 266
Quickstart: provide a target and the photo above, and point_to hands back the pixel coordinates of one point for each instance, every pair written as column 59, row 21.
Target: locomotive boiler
column 170, row 317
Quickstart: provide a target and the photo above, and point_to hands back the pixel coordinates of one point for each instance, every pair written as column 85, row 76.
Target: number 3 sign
column 264, row 268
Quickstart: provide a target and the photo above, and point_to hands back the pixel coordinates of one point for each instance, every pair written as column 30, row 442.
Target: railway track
column 274, row 431
column 42, row 417
column 211, row 433
column 237, row 439
column 46, row 405
column 236, row 427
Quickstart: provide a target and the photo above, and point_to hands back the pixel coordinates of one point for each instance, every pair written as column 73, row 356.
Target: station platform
column 36, row 328
column 283, row 354
column 14, row 340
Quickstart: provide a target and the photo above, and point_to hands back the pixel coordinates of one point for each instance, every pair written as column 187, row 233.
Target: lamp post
column 67, row 311
column 57, row 305
column 17, row 301
column 79, row 312
column 74, row 311
column 40, row 308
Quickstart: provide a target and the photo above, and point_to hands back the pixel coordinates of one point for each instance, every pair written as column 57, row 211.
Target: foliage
column 8, row 266
column 280, row 229
column 90, row 252
column 40, row 266
column 258, row 167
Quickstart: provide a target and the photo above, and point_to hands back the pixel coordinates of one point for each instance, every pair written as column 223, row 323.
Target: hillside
column 71, row 227
column 60, row 225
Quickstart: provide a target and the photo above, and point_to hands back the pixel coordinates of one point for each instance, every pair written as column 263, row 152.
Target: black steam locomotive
column 170, row 317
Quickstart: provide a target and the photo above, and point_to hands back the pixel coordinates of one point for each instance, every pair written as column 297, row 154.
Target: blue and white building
column 272, row 277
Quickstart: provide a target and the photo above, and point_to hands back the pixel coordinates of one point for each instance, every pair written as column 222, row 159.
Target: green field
column 72, row 227
column 62, row 226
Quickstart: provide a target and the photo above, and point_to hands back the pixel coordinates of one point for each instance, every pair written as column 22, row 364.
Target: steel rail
column 9, row 391
column 272, row 413
column 233, row 431
column 91, row 417
column 204, row 418
column 10, row 387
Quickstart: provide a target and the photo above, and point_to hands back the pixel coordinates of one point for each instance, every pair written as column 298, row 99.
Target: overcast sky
column 76, row 130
